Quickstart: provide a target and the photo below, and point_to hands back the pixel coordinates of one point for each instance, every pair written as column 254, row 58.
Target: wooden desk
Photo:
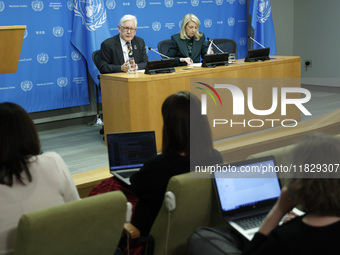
column 133, row 102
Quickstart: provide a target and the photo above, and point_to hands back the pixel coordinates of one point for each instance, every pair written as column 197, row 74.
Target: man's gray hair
column 128, row 17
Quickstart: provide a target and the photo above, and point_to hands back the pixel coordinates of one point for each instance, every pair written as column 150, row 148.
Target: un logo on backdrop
column 140, row 4
column 169, row 3
column 26, row 85
column 207, row 23
column 110, row 4
column 75, row 55
column 243, row 41
column 195, row 2
column 58, row 31
column 156, row 26
column 219, row 2
column 242, row 1
column 263, row 11
column 62, row 82
column 92, row 12
column 2, row 6
column 230, row 1
column 37, row 5
column 42, row 58
column 70, row 5
column 231, row 21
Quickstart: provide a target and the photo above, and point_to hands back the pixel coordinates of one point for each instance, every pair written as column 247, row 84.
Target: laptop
column 246, row 192
column 129, row 151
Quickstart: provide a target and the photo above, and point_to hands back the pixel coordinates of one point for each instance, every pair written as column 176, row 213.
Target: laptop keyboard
column 251, row 222
column 127, row 174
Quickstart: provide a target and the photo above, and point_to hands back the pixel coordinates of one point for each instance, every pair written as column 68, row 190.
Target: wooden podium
column 11, row 38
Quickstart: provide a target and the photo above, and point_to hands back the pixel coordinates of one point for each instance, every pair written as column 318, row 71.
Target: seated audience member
column 189, row 45
column 181, row 146
column 179, row 149
column 316, row 232
column 29, row 180
column 116, row 51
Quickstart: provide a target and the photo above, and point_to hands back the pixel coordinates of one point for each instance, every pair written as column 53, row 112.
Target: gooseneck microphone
column 212, row 43
column 256, row 41
column 158, row 53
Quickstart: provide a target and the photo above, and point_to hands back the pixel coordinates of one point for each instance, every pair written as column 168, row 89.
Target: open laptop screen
column 130, row 150
column 246, row 185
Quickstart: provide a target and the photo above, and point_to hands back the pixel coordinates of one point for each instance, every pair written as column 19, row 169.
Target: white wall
column 283, row 19
column 310, row 29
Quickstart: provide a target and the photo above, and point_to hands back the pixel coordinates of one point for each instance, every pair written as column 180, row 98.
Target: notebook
column 129, row 151
column 246, row 192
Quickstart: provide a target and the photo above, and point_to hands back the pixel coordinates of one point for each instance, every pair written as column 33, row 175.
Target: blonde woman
column 189, row 44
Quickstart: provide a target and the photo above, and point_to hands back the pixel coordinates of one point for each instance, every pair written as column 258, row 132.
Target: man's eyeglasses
column 129, row 29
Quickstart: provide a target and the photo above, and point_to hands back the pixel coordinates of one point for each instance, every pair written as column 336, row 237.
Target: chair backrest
column 95, row 56
column 163, row 47
column 195, row 199
column 226, row 45
column 92, row 225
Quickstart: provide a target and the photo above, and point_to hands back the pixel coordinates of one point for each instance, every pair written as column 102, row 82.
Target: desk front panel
column 133, row 102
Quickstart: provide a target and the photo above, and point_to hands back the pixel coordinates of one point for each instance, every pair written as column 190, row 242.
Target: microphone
column 256, row 41
column 158, row 53
column 212, row 43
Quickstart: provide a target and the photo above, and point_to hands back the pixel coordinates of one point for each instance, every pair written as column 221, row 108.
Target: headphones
column 170, row 201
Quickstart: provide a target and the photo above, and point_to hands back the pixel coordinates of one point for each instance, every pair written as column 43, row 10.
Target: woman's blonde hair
column 187, row 18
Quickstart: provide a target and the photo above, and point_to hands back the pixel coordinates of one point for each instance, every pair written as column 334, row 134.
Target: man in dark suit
column 116, row 51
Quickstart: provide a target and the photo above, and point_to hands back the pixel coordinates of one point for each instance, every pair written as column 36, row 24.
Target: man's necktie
column 130, row 52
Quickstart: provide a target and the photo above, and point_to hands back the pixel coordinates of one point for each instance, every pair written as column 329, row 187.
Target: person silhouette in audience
column 186, row 141
column 29, row 180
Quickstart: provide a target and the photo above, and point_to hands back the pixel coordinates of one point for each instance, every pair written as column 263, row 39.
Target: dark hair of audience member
column 185, row 130
column 315, row 194
column 19, row 142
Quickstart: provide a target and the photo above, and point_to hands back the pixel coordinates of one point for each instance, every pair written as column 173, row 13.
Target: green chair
column 196, row 205
column 92, row 225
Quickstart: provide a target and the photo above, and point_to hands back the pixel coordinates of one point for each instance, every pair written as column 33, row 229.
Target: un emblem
column 25, row 33
column 243, row 41
column 242, row 1
column 231, row 21
column 26, row 85
column 231, row 1
column 195, row 2
column 58, row 31
column 62, row 82
column 110, row 4
column 75, row 55
column 92, row 12
column 70, row 5
column 207, row 23
column 219, row 2
column 169, row 3
column 2, row 6
column 42, row 58
column 140, row 4
column 37, row 5
column 156, row 26
column 263, row 11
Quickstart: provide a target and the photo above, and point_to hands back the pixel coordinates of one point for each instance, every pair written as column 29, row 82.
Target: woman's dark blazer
column 179, row 49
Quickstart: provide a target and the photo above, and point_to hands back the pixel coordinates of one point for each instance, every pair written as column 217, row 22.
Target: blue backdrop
column 52, row 72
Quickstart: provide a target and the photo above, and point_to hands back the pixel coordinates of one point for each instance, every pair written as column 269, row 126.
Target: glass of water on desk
column 232, row 58
column 132, row 66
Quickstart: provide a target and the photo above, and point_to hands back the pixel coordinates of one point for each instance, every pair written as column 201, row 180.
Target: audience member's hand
column 285, row 204
column 291, row 215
